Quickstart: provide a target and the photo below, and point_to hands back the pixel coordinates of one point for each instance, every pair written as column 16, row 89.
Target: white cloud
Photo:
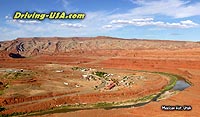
column 143, row 19
column 47, row 29
column 7, row 17
column 77, row 25
column 132, row 21
column 65, row 3
column 111, row 26
column 172, row 8
column 100, row 22
column 23, row 21
column 151, row 22
column 107, row 26
column 27, row 22
column 10, row 20
column 188, row 22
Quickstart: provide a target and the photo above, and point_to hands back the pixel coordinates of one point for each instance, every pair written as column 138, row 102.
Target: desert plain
column 97, row 76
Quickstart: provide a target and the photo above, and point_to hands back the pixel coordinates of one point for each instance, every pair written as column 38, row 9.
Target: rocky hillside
column 56, row 45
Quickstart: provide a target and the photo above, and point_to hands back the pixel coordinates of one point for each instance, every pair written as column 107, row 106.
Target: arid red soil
column 50, row 100
column 181, row 58
column 189, row 96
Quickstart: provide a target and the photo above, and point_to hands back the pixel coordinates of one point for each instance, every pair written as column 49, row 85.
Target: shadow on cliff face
column 13, row 55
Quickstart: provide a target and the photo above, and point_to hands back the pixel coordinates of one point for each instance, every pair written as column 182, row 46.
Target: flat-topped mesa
column 80, row 45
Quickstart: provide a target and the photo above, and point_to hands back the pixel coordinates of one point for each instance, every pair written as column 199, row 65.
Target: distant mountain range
column 57, row 45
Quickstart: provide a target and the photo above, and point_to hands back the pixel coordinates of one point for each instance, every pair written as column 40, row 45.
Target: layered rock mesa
column 59, row 45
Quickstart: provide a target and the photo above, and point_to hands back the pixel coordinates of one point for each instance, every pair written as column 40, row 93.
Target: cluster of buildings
column 108, row 81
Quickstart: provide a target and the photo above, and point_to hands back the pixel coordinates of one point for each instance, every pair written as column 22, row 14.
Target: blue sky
column 155, row 19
